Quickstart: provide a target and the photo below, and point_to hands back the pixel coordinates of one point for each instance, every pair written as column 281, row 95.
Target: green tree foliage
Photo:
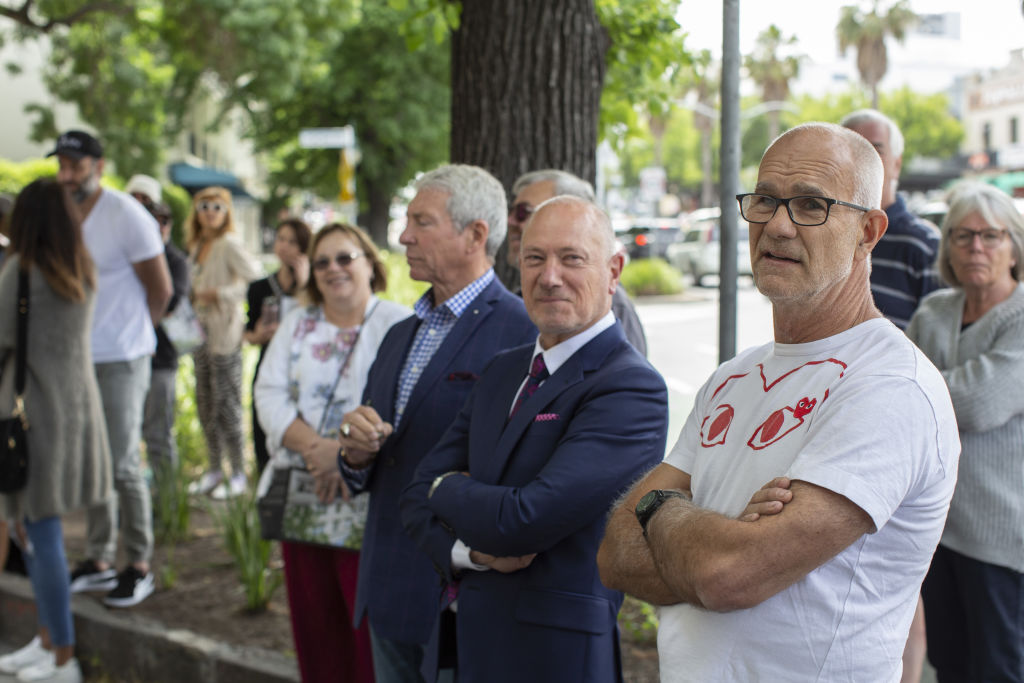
column 867, row 31
column 773, row 71
column 396, row 99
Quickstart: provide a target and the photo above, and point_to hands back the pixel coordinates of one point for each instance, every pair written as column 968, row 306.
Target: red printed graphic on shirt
column 781, row 420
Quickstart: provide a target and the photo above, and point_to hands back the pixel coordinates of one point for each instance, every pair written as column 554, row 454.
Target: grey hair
column 565, row 183
column 473, row 194
column 996, row 207
column 598, row 217
column 865, row 165
column 862, row 116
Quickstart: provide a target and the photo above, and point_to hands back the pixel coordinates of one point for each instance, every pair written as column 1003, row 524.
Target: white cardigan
column 301, row 364
column 983, row 366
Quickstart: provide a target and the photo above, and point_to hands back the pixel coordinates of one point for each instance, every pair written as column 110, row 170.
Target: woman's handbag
column 183, row 327
column 290, row 509
column 14, row 429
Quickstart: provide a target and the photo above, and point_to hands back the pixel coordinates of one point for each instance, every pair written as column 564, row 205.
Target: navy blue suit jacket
column 398, row 589
column 541, row 484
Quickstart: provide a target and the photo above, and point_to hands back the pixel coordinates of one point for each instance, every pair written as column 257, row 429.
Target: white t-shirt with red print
column 863, row 414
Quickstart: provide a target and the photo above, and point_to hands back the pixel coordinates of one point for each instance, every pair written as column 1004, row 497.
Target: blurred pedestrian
column 133, row 289
column 903, row 261
column 70, row 464
column 270, row 300
column 221, row 272
column 314, row 372
column 974, row 333
column 161, row 401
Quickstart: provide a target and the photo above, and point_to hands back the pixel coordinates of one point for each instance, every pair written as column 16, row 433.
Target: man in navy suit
column 423, row 373
column 553, row 432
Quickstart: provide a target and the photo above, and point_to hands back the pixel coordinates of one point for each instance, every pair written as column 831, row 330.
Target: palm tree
column 867, row 31
column 771, row 72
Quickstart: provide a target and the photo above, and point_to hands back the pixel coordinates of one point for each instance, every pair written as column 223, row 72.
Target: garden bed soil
column 198, row 589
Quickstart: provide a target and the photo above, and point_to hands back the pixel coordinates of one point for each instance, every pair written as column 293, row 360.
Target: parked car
column 650, row 237
column 697, row 252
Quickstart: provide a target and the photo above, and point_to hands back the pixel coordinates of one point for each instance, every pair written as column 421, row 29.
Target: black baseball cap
column 77, row 144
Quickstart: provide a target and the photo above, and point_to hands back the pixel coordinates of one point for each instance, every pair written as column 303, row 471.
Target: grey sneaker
column 31, row 654
column 132, row 588
column 89, row 577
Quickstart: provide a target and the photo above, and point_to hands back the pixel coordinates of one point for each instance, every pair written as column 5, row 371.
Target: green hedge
column 645, row 277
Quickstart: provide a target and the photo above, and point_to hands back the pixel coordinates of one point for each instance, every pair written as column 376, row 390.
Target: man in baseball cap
column 132, row 292
column 77, row 144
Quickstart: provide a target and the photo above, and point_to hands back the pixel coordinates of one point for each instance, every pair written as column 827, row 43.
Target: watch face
column 646, row 502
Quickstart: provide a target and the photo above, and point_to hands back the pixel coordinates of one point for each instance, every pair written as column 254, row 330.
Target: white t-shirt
column 119, row 232
column 864, row 414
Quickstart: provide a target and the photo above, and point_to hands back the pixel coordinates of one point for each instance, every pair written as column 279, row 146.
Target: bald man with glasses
column 814, row 575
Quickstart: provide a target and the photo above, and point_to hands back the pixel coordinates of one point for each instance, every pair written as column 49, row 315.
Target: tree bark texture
column 526, row 88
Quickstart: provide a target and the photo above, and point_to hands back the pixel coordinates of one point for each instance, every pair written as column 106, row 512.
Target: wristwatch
column 649, row 504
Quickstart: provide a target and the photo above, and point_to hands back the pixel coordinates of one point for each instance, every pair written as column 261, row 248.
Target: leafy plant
column 651, row 276
column 188, row 432
column 239, row 524
column 171, row 512
column 639, row 621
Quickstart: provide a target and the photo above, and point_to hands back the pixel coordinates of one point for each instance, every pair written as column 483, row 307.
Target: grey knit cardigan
column 984, row 368
column 69, row 464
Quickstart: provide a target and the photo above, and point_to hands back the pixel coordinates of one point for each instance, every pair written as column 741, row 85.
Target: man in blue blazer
column 553, row 432
column 423, row 373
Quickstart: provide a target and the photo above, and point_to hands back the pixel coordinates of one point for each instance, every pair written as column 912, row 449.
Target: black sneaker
column 88, row 577
column 132, row 588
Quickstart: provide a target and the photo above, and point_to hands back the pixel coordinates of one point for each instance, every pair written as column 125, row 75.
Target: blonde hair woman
column 221, row 272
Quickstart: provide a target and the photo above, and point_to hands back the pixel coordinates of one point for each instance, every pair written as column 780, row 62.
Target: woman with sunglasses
column 313, row 373
column 69, row 464
column 221, row 272
column 974, row 333
column 270, row 299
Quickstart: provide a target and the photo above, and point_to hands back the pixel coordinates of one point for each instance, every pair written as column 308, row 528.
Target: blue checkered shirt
column 437, row 322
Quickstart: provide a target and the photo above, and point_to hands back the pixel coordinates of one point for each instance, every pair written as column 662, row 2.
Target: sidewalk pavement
column 118, row 646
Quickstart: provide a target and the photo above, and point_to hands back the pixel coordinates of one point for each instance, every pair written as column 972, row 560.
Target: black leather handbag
column 14, row 429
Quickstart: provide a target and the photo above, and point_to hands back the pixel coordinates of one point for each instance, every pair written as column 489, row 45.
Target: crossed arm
column 697, row 556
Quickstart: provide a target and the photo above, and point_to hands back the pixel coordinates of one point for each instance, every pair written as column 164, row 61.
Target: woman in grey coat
column 69, row 458
column 974, row 333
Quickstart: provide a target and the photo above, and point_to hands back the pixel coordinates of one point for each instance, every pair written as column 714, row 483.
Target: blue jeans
column 123, row 387
column 48, row 572
column 974, row 620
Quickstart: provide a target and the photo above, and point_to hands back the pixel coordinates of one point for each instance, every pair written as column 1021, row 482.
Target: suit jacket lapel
column 467, row 323
column 573, row 371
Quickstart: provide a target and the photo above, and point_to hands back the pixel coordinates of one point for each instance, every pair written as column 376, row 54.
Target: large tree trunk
column 377, row 215
column 526, row 89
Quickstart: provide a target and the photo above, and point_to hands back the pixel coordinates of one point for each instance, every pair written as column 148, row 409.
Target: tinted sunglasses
column 342, row 259
column 211, row 206
column 521, row 211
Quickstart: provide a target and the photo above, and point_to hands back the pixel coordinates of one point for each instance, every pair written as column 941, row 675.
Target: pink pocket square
column 547, row 417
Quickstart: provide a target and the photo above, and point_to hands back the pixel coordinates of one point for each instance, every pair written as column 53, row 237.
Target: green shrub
column 15, row 175
column 639, row 621
column 645, row 277
column 239, row 523
column 171, row 511
column 188, row 432
column 401, row 287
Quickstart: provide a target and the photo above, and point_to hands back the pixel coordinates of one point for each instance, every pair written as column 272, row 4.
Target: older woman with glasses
column 313, row 373
column 221, row 272
column 974, row 333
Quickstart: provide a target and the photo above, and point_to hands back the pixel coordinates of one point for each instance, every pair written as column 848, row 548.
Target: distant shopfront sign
column 327, row 138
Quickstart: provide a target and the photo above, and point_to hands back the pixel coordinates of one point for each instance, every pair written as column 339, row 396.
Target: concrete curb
column 128, row 648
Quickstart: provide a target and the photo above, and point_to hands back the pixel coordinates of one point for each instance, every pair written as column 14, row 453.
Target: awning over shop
column 195, row 178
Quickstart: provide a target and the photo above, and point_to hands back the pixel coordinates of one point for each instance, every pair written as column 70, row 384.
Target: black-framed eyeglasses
column 990, row 237
column 342, row 258
column 804, row 210
column 521, row 211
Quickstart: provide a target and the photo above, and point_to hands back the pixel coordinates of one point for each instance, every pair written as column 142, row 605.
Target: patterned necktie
column 538, row 373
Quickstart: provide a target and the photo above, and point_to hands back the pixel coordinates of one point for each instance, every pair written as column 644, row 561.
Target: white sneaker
column 33, row 653
column 48, row 671
column 205, row 483
column 235, row 486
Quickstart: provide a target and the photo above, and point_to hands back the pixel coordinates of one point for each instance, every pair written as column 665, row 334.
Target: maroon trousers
column 321, row 585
